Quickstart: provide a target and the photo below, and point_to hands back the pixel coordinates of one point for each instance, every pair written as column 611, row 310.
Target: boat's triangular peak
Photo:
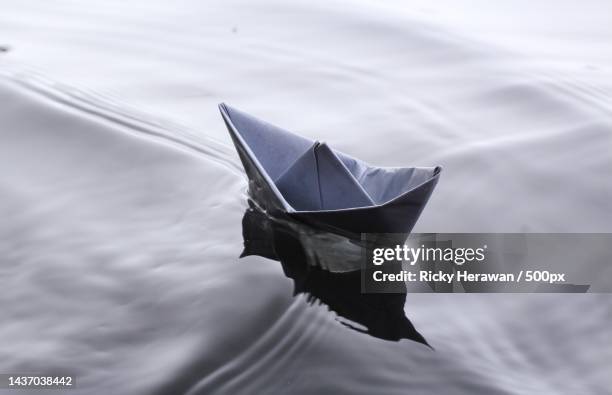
column 274, row 148
column 310, row 180
column 319, row 180
column 299, row 184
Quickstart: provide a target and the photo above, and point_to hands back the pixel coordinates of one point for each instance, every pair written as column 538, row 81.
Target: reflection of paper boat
column 313, row 183
column 307, row 256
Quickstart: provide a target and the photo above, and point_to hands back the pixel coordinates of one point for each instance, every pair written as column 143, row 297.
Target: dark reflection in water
column 326, row 267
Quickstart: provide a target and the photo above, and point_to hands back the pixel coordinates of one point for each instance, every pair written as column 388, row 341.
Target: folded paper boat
column 310, row 182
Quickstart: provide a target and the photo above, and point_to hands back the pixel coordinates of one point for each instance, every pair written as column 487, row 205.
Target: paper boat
column 311, row 182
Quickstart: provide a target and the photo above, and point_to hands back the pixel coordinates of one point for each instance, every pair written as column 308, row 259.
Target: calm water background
column 121, row 196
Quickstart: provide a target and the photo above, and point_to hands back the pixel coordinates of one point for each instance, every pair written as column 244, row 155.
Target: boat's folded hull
column 398, row 216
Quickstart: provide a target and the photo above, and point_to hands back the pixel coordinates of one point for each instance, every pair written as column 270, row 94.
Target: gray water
column 122, row 198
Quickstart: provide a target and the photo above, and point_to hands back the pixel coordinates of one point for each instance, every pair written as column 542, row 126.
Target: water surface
column 122, row 198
